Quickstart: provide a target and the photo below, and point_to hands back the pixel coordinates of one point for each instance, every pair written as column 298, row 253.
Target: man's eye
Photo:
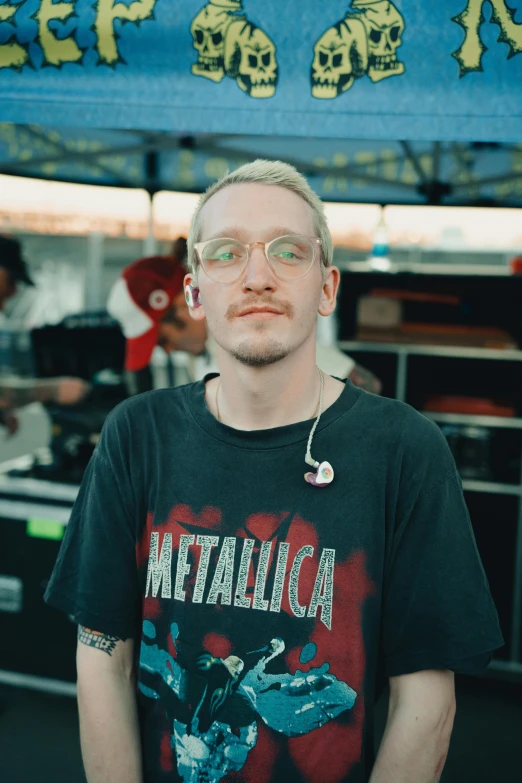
column 225, row 257
column 286, row 254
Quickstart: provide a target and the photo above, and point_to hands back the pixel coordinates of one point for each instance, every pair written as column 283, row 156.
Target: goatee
column 259, row 355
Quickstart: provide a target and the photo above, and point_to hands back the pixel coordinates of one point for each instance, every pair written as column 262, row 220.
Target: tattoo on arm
column 96, row 639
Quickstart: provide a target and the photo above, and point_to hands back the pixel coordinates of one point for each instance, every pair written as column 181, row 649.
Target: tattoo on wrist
column 101, row 641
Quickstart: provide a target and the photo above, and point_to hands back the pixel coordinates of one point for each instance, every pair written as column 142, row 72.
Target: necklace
column 317, row 407
column 217, row 403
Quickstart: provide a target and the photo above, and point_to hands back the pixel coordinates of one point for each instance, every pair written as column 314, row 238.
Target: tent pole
column 151, row 163
column 150, row 244
column 93, row 277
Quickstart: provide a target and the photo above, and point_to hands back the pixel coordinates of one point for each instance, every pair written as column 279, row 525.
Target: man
column 149, row 303
column 13, row 269
column 17, row 392
column 198, row 539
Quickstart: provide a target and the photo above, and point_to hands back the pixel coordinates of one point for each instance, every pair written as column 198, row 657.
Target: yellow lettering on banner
column 469, row 54
column 12, row 55
column 56, row 51
column 107, row 12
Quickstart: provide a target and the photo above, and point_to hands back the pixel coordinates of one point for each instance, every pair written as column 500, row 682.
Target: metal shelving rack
column 403, row 352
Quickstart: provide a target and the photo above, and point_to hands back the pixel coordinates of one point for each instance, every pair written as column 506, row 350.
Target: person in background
column 13, row 270
column 18, row 392
column 149, row 303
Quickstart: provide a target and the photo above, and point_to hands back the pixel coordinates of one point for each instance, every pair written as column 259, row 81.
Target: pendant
column 324, row 475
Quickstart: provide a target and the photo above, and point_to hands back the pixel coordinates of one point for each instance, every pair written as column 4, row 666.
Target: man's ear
column 192, row 297
column 328, row 301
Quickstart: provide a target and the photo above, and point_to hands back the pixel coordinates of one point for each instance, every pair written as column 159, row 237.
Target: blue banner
column 348, row 69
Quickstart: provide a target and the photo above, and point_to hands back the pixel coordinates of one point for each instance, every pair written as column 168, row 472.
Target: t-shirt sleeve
column 95, row 577
column 438, row 612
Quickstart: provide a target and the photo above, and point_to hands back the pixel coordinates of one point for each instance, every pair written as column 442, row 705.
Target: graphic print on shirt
column 252, row 644
column 224, row 575
column 221, row 728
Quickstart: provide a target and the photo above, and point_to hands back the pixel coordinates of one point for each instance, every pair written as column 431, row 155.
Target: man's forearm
column 23, row 392
column 414, row 747
column 109, row 729
column 16, row 392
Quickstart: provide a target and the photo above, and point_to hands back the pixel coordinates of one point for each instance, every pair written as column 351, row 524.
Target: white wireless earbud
column 324, row 475
column 192, row 296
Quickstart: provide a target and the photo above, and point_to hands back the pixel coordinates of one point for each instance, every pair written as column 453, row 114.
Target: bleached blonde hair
column 265, row 172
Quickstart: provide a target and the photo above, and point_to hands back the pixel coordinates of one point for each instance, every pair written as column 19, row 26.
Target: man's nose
column 258, row 275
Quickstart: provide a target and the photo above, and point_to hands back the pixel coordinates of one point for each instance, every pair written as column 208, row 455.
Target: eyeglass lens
column 289, row 257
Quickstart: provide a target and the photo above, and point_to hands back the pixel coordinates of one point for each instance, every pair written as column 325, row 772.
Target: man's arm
column 109, row 729
column 418, row 730
column 16, row 392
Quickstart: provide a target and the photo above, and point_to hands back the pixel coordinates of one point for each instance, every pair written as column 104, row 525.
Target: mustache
column 286, row 308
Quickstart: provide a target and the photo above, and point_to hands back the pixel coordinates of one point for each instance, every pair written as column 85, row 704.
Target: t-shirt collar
column 276, row 437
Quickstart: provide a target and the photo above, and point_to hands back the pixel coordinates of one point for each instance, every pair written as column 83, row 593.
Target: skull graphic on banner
column 250, row 58
column 228, row 44
column 208, row 30
column 384, row 27
column 341, row 55
column 365, row 42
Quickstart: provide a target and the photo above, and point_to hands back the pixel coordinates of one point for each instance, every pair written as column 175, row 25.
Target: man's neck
column 286, row 392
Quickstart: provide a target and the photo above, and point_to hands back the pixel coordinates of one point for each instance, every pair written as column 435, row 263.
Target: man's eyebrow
column 236, row 232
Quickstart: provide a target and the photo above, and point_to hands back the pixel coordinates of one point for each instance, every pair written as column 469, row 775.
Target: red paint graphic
column 262, row 758
column 217, row 645
column 166, row 759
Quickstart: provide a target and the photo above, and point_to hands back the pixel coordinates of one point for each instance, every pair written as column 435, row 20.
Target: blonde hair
column 265, row 172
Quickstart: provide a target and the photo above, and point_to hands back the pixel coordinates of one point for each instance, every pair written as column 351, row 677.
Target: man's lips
column 259, row 312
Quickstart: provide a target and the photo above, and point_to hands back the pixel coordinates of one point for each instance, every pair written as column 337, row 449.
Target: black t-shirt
column 262, row 606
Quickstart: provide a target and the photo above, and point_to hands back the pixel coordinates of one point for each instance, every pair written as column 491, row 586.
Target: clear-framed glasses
column 290, row 256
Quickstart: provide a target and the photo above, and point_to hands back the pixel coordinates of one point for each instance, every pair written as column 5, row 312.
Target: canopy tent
column 168, row 76
column 339, row 170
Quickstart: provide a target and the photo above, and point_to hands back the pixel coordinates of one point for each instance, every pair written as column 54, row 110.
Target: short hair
column 265, row 172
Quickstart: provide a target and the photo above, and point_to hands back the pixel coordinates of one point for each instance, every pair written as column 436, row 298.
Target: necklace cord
column 308, row 458
column 217, row 403
column 318, row 412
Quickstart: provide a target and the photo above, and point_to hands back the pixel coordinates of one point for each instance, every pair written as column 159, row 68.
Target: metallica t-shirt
column 264, row 608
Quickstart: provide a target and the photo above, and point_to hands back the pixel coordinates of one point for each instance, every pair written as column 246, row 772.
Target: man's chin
column 262, row 355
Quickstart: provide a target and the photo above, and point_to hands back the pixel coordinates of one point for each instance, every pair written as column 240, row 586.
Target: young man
column 253, row 592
